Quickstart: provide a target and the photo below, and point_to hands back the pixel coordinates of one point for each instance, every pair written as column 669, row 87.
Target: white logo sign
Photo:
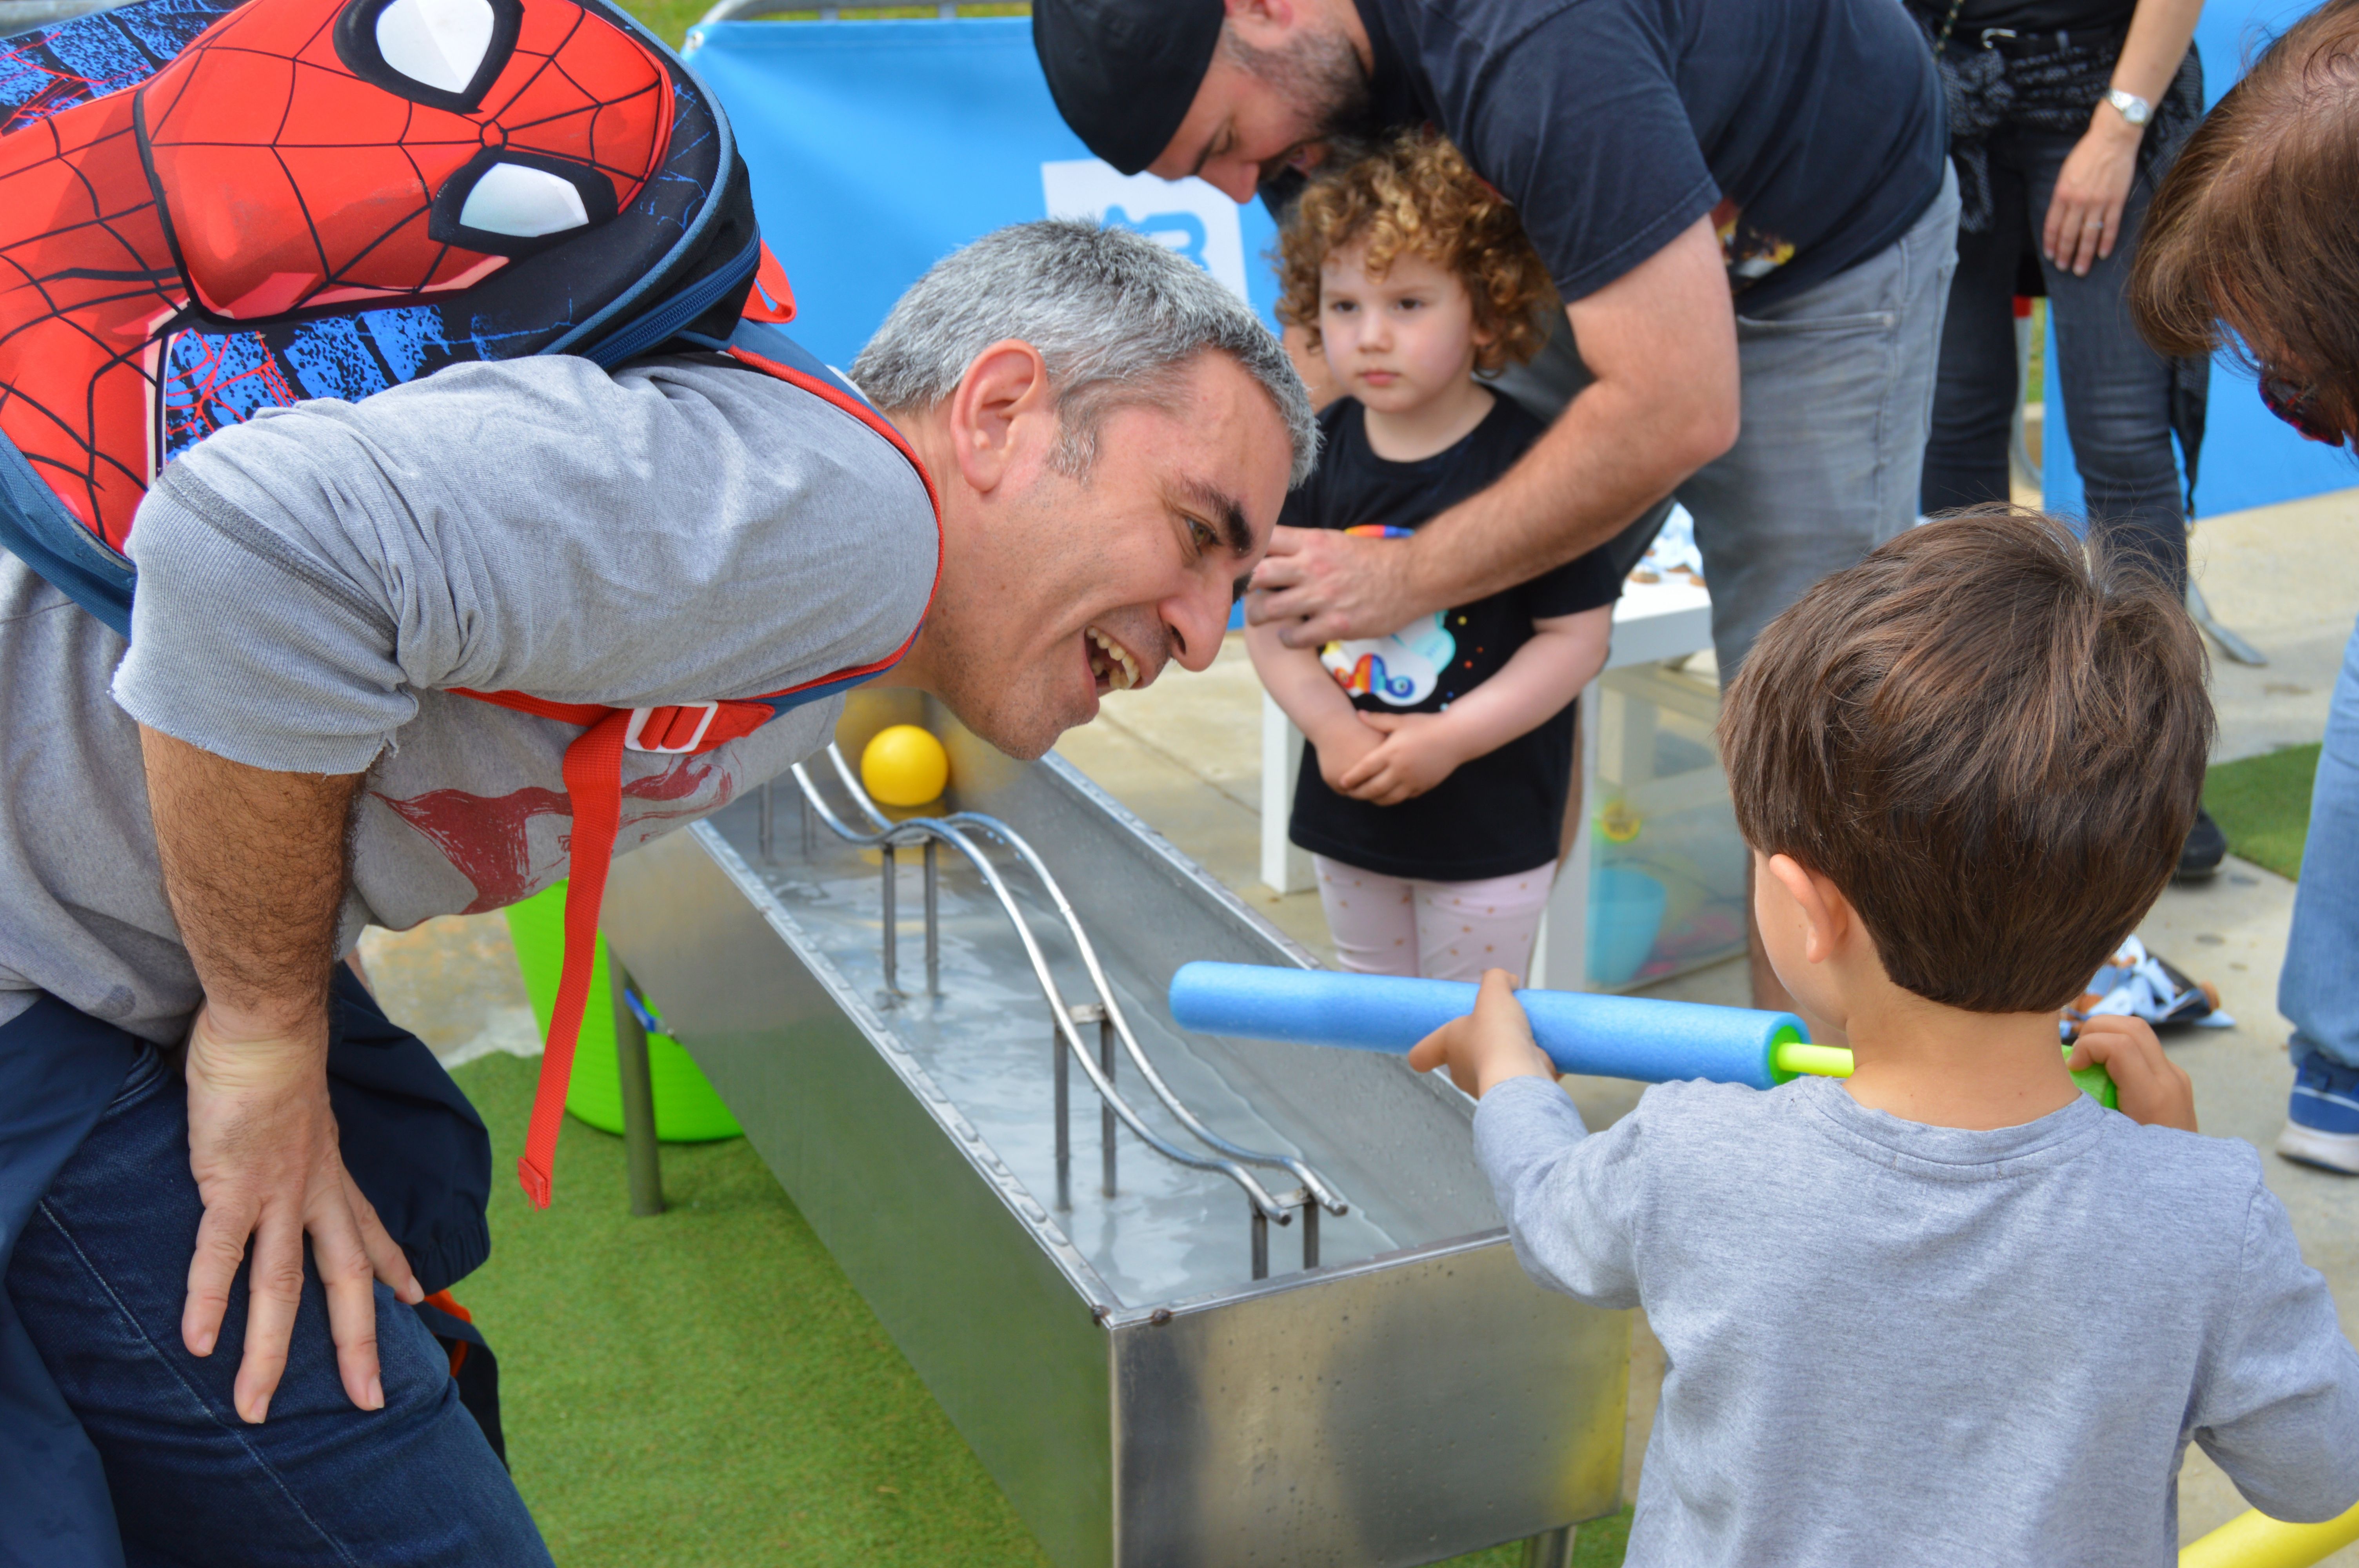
column 1186, row 215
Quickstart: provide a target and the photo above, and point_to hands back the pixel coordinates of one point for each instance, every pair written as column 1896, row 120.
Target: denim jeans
column 1838, row 393
column 2318, row 987
column 2116, row 390
column 97, row 1282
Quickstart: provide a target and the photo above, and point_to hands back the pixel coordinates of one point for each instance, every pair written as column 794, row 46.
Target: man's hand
column 2151, row 1088
column 254, row 866
column 261, row 1145
column 1419, row 750
column 1487, row 1046
column 1661, row 342
column 1319, row 585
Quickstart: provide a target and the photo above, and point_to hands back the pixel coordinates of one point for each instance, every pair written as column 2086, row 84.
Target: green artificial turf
column 2263, row 805
column 705, row 1387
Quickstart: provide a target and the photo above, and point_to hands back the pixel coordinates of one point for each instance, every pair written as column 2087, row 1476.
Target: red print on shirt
column 488, row 839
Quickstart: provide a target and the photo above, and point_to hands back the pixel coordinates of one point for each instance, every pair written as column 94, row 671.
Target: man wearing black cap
column 1746, row 204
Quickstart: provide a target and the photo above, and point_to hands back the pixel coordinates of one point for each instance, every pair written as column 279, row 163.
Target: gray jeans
column 1837, row 399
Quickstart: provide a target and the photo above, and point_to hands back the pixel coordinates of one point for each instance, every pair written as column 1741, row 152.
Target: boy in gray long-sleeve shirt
column 1949, row 1311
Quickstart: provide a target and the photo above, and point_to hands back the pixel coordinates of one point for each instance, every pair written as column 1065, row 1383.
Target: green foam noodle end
column 1791, row 1056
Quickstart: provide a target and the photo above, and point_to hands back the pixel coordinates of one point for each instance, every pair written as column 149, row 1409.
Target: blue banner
column 877, row 148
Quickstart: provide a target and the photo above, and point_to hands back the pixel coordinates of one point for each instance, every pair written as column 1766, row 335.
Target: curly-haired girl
column 1440, row 757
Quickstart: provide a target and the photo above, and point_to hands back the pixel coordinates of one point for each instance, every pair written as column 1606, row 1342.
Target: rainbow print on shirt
column 1400, row 670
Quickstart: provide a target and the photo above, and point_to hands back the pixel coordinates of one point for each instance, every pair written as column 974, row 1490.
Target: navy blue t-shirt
column 1812, row 130
column 1499, row 814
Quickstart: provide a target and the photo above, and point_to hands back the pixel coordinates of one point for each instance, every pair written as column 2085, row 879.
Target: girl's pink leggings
column 1443, row 931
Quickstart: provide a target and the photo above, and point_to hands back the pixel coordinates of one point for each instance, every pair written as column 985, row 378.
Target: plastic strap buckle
column 634, row 733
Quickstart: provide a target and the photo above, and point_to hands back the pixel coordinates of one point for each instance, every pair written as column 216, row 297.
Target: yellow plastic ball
column 904, row 765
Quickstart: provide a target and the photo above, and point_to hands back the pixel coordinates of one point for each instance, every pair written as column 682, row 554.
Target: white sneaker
column 2329, row 1150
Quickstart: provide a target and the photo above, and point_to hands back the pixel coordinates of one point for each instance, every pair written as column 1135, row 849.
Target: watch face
column 2133, row 108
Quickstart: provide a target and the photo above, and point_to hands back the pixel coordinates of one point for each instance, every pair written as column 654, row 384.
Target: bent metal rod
column 958, row 830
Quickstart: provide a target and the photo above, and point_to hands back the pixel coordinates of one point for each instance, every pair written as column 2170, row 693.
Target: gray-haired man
column 198, row 826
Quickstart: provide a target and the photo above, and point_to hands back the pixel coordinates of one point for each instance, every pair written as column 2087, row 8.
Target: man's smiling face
column 1057, row 589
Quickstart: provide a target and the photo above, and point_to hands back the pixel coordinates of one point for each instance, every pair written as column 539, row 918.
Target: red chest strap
column 593, row 762
column 593, row 778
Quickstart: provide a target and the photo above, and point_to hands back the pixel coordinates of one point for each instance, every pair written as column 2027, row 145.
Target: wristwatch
column 2133, row 108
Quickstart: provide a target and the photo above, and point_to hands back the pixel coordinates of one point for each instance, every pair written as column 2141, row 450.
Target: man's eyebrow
column 1224, row 509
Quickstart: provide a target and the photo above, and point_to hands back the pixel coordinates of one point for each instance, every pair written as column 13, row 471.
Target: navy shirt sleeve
column 1582, row 583
column 1582, row 126
column 1810, row 132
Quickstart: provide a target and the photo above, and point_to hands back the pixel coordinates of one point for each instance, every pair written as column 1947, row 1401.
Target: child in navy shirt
column 1438, row 759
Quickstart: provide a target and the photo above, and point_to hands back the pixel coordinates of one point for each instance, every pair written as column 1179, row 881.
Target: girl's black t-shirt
column 1499, row 814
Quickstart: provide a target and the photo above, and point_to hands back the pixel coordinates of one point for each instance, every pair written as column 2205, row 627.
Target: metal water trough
column 1135, row 1350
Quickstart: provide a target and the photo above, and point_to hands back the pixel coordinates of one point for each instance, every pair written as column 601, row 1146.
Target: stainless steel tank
column 1129, row 1342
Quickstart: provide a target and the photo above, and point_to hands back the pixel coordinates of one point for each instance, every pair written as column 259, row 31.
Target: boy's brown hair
column 1990, row 740
column 1415, row 193
column 2253, row 228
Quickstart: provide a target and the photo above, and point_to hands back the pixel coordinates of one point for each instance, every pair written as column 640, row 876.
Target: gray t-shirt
column 1888, row 1342
column 314, row 584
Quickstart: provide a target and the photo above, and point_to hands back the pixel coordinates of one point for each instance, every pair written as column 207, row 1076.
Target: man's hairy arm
column 254, row 866
column 1661, row 341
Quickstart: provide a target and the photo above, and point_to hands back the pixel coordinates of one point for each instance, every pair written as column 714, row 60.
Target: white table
column 1652, row 622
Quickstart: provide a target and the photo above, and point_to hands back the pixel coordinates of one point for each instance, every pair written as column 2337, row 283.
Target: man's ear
column 1827, row 915
column 1003, row 408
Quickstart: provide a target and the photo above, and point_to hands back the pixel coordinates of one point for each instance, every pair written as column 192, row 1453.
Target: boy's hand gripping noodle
column 1606, row 1036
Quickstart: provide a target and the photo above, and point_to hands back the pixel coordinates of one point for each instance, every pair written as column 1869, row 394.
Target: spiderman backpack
column 208, row 209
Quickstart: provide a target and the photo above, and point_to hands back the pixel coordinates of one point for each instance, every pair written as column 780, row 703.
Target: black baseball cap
column 1124, row 72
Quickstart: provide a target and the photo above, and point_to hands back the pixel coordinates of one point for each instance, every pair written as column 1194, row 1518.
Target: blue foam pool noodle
column 1643, row 1038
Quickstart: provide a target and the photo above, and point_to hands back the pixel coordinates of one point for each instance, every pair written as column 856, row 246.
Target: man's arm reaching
column 1661, row 341
column 254, row 867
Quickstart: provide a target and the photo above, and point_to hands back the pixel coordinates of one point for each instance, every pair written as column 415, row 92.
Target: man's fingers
column 1278, row 606
column 221, row 1248
column 350, row 1279
column 273, row 1291
column 1314, row 629
column 386, row 1259
column 1276, row 573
